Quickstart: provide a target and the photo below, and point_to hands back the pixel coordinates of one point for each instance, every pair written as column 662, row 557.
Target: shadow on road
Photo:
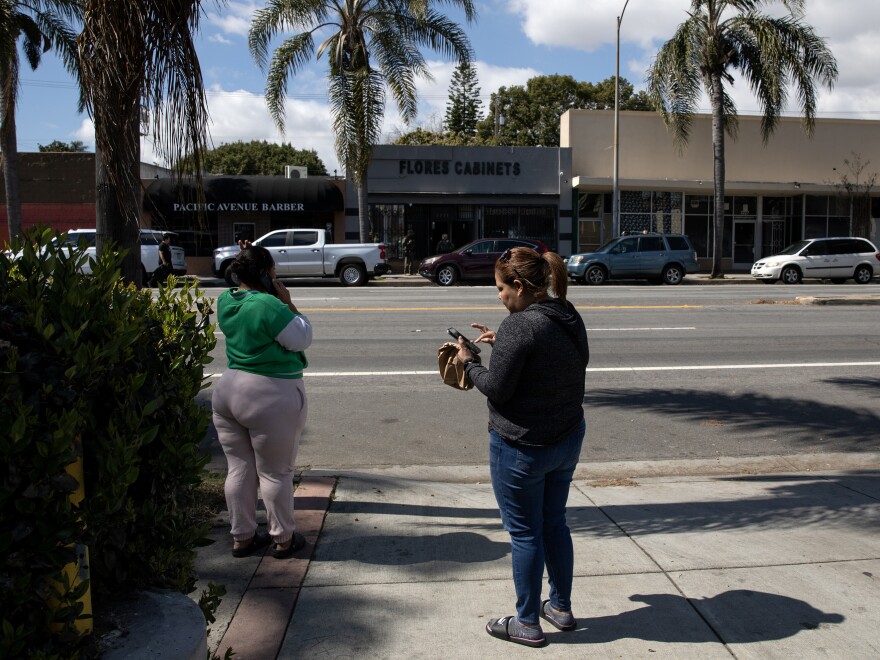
column 821, row 425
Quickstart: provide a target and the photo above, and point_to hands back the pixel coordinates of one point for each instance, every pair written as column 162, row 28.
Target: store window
column 826, row 215
column 642, row 210
column 521, row 222
column 698, row 221
column 590, row 211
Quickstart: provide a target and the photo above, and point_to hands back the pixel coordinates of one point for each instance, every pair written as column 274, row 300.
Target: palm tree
column 140, row 71
column 41, row 25
column 372, row 45
column 772, row 54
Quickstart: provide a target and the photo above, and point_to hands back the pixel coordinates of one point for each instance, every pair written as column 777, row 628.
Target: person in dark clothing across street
column 165, row 266
column 444, row 245
column 409, row 252
column 534, row 388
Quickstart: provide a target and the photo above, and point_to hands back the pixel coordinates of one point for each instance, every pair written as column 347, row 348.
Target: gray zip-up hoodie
column 535, row 383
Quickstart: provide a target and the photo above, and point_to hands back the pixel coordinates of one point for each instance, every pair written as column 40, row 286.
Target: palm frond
column 280, row 15
column 288, row 58
column 675, row 79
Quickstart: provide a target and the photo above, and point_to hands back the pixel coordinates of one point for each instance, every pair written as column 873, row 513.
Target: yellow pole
column 77, row 571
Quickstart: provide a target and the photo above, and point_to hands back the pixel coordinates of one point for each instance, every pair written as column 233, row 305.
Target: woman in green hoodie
column 259, row 404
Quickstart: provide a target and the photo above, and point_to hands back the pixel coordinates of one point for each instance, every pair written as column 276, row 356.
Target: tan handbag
column 451, row 368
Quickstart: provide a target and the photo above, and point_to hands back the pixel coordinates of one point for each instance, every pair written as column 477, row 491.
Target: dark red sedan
column 476, row 260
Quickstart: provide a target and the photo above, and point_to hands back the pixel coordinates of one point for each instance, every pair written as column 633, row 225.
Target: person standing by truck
column 165, row 267
column 409, row 252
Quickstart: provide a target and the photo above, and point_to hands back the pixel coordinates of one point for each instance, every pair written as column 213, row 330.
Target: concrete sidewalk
column 717, row 560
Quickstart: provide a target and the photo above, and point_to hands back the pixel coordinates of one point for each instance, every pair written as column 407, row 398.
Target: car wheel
column 838, row 280
column 863, row 274
column 790, row 275
column 596, row 275
column 353, row 275
column 447, row 276
column 672, row 274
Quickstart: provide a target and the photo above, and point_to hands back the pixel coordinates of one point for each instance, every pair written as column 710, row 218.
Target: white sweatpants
column 259, row 421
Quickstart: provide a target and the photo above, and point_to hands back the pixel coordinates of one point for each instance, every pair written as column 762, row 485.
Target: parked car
column 150, row 240
column 665, row 258
column 472, row 261
column 837, row 259
column 306, row 253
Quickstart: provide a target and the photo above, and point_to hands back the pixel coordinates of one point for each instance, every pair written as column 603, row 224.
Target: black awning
column 243, row 193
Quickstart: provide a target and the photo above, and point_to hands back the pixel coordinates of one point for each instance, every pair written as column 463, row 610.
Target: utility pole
column 615, row 199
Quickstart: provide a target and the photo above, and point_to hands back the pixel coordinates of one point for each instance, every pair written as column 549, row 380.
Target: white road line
column 217, row 332
column 707, row 367
column 634, row 329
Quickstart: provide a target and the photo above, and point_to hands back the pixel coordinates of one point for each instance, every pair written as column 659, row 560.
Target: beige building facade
column 775, row 194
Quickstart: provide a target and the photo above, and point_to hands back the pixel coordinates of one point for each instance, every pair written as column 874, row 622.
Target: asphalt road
column 675, row 373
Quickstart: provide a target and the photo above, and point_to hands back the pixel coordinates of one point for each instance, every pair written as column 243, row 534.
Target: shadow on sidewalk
column 389, row 550
column 849, row 501
column 746, row 616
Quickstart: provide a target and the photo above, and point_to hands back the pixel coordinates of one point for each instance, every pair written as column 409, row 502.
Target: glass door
column 743, row 244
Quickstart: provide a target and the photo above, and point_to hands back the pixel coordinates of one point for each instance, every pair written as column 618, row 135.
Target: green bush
column 95, row 369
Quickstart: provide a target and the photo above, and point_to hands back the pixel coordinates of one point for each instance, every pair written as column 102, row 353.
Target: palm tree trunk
column 363, row 210
column 9, row 146
column 117, row 211
column 718, row 174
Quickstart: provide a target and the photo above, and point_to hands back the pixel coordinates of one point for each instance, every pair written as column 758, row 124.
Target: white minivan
column 837, row 259
column 150, row 240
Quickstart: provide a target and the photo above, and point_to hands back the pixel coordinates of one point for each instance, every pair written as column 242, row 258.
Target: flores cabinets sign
column 398, row 169
column 460, row 168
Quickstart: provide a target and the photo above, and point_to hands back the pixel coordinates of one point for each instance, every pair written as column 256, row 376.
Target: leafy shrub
column 93, row 369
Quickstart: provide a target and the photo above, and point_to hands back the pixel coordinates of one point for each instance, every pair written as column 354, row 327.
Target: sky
column 513, row 40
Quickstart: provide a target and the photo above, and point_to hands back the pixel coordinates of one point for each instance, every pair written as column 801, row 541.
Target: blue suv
column 665, row 258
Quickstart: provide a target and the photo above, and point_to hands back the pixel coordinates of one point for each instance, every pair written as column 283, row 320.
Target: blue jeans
column 531, row 486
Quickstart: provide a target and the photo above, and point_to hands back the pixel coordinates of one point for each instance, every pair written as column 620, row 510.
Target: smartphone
column 266, row 281
column 471, row 346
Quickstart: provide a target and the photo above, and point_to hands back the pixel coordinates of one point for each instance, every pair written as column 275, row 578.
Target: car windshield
column 794, row 248
column 608, row 245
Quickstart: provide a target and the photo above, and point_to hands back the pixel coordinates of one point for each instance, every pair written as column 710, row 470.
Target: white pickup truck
column 306, row 253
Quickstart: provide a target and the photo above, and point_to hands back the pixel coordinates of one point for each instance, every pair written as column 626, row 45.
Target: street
column 675, row 373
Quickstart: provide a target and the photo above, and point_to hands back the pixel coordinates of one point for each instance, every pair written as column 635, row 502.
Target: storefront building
column 467, row 193
column 775, row 194
column 56, row 190
column 245, row 206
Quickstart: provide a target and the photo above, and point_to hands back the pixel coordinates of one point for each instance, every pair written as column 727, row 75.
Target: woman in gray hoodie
column 534, row 388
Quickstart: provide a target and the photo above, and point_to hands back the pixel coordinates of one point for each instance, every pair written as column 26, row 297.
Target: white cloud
column 233, row 17
column 220, row 39
column 850, row 26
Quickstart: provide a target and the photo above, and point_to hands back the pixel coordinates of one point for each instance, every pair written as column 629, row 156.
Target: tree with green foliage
column 529, row 116
column 258, row 157
column 75, row 146
column 464, row 109
column 140, row 73
column 773, row 54
column 371, row 46
column 41, row 25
